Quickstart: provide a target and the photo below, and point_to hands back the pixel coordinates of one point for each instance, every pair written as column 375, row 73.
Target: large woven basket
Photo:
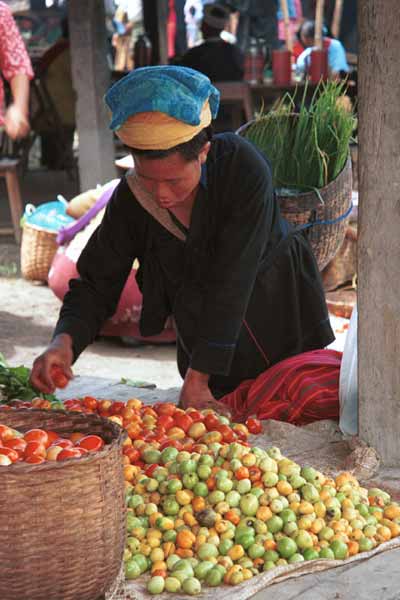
column 329, row 204
column 38, row 248
column 62, row 524
column 325, row 239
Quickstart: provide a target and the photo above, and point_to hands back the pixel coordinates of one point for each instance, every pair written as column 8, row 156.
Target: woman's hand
column 58, row 354
column 16, row 122
column 195, row 393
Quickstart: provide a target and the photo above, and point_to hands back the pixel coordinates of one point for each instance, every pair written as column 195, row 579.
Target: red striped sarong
column 299, row 390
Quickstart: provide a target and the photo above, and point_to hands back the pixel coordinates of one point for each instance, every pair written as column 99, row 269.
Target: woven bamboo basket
column 325, row 239
column 38, row 248
column 62, row 524
column 307, row 207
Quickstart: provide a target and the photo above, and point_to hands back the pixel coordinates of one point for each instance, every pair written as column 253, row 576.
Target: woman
column 200, row 215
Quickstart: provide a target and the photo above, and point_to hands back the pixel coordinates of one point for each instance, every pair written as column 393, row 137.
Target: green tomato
column 286, row 547
column 206, row 459
column 268, row 565
column 141, row 561
column 295, row 558
column 169, row 536
column 206, row 551
column 171, row 561
column 151, row 457
column 133, row 544
column 224, row 485
column 202, row 569
column 257, row 492
column 221, row 474
column 214, row 577
column 160, row 474
column 290, row 529
column 127, row 555
column 363, row 510
column 310, row 493
column 326, row 533
column 172, row 584
column 168, row 454
column 288, row 516
column 233, row 499
column 256, row 551
column 170, row 506
column 303, row 539
column 310, row 554
column 235, row 464
column 274, row 524
column 219, row 461
column 156, row 585
column 249, row 505
column 271, row 555
column 339, row 549
column 191, row 586
column 203, row 471
column 135, row 500
column 365, row 544
column 132, row 570
column 243, row 486
column 189, row 480
column 246, row 540
column 225, row 546
column 215, row 497
column 187, row 466
column 131, row 521
column 326, row 553
column 309, row 474
column 269, row 479
column 200, row 489
column 174, row 485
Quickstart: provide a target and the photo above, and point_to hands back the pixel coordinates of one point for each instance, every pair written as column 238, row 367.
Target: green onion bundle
column 307, row 147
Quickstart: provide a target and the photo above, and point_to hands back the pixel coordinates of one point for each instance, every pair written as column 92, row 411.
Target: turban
column 157, row 108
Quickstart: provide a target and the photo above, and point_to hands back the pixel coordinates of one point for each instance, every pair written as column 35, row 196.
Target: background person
column 16, row 68
column 337, row 62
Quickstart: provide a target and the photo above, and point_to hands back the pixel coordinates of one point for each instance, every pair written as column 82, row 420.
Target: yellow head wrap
column 159, row 131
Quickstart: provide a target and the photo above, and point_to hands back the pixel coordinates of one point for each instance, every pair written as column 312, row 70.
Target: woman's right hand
column 59, row 355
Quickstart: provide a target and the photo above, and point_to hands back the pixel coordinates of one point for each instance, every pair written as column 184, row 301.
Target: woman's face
column 171, row 181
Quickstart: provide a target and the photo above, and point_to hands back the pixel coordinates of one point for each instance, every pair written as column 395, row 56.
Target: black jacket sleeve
column 248, row 214
column 103, row 266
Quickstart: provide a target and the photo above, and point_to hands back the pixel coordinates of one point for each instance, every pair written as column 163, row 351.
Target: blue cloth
column 336, row 58
column 291, row 9
column 176, row 91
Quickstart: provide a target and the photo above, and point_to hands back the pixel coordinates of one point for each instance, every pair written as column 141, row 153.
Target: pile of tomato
column 38, row 445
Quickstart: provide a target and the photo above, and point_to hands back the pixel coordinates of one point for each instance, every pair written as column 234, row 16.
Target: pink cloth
column 294, row 24
column 14, row 58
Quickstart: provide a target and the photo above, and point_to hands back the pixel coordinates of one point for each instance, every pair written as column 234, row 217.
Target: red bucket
column 282, row 67
column 318, row 66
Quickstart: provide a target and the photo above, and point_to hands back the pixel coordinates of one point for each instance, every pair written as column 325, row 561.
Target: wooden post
column 286, row 22
column 155, row 14
column 162, row 18
column 337, row 18
column 379, row 227
column 319, row 21
column 91, row 79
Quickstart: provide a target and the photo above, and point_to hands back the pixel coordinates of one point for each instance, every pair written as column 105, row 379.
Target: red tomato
column 165, row 421
column 254, row 474
column 132, row 454
column 34, row 459
column 171, row 443
column 90, row 402
column 12, row 454
column 17, row 444
column 150, row 470
column 195, row 415
column 183, row 421
column 5, row 432
column 166, row 408
column 92, row 443
column 254, row 425
column 63, row 442
column 58, row 376
column 242, row 473
column 227, row 434
column 212, row 422
column 69, row 453
column 34, row 449
column 52, row 437
column 117, row 408
column 37, row 435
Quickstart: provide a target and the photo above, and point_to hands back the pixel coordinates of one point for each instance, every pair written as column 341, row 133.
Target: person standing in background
column 128, row 21
column 16, row 68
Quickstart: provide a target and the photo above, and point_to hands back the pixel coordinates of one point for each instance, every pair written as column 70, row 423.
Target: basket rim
column 38, row 228
column 119, row 433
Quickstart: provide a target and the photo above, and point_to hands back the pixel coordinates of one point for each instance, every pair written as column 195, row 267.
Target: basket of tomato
column 62, row 516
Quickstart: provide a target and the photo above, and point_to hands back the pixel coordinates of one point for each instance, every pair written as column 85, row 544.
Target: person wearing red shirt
column 15, row 67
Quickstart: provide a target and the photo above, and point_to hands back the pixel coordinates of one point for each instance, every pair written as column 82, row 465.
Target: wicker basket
column 325, row 239
column 38, row 248
column 62, row 524
column 303, row 208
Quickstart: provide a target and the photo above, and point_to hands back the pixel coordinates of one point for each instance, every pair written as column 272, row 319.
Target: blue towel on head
column 176, row 91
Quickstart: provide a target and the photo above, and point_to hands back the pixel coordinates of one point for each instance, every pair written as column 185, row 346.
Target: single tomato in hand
column 58, row 376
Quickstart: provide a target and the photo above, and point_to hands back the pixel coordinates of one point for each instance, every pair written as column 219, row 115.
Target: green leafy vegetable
column 14, row 384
